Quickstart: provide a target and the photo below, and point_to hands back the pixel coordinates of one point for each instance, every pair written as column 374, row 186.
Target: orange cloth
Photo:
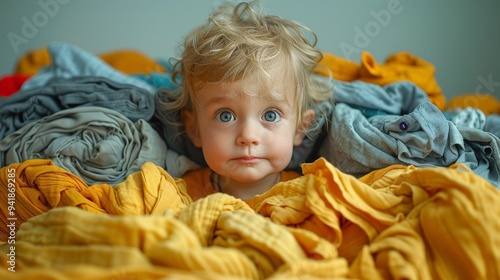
column 487, row 103
column 40, row 186
column 131, row 62
column 401, row 66
column 126, row 61
column 31, row 62
column 340, row 68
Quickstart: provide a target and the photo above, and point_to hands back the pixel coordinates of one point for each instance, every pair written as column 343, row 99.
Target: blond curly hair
column 241, row 41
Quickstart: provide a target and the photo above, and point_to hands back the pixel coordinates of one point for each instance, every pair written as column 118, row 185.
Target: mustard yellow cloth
column 400, row 66
column 400, row 222
column 40, row 185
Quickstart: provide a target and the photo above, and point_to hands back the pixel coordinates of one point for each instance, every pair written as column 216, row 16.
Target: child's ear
column 191, row 127
column 307, row 120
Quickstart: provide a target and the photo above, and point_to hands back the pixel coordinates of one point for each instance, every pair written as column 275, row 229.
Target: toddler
column 247, row 98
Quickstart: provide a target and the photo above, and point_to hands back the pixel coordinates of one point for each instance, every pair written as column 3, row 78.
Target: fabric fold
column 98, row 144
column 392, row 223
column 41, row 186
column 59, row 94
column 67, row 60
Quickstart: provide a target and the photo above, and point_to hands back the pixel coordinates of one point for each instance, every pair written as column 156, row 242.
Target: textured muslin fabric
column 397, row 222
column 419, row 223
column 98, row 144
column 243, row 244
column 41, row 186
column 450, row 235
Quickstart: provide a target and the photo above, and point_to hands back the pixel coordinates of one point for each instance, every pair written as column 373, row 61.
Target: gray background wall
column 461, row 38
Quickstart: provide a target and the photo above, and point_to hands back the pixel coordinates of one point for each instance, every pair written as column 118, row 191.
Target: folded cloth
column 358, row 145
column 98, row 144
column 38, row 185
column 397, row 98
column 60, row 93
column 69, row 61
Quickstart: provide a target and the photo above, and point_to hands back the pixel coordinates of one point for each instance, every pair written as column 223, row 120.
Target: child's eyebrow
column 274, row 98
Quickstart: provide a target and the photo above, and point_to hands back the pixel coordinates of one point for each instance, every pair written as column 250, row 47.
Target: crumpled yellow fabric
column 400, row 222
column 40, row 185
column 242, row 244
column 399, row 66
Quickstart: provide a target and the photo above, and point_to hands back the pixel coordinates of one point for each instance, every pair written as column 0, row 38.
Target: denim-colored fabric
column 98, row 144
column 70, row 61
column 358, row 145
column 58, row 94
column 468, row 117
column 397, row 98
column 481, row 153
column 492, row 124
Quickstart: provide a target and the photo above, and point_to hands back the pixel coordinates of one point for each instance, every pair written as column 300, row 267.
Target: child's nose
column 248, row 134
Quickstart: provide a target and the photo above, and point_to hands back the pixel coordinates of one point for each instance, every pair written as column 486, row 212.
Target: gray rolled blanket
column 63, row 93
column 98, row 144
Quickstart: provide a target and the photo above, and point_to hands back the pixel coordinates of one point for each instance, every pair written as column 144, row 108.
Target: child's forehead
column 247, row 88
column 269, row 81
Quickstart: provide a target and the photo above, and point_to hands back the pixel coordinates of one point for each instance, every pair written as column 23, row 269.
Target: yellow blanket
column 398, row 222
column 40, row 185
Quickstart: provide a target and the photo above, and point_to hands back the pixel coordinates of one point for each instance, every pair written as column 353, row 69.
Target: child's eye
column 225, row 116
column 272, row 116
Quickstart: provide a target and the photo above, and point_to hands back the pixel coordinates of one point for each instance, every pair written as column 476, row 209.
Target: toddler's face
column 246, row 137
